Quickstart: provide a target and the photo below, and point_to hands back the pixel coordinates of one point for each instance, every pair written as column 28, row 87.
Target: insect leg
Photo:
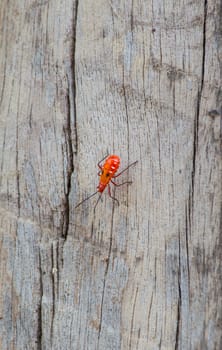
column 113, row 198
column 97, row 201
column 126, row 169
column 124, row 183
column 99, row 163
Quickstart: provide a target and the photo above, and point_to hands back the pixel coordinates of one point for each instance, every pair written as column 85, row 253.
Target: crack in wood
column 2, row 160
column 74, row 74
column 70, row 169
column 196, row 120
column 17, row 162
column 71, row 77
column 149, row 314
column 178, row 319
column 132, row 318
column 71, row 122
column 199, row 95
column 53, row 292
column 187, row 227
column 126, row 110
column 179, row 300
column 39, row 331
column 105, row 274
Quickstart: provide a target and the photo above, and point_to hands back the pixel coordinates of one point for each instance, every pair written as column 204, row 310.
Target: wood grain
column 140, row 79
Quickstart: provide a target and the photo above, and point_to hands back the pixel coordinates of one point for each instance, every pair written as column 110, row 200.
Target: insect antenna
column 86, row 199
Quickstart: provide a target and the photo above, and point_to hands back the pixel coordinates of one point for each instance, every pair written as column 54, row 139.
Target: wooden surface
column 78, row 80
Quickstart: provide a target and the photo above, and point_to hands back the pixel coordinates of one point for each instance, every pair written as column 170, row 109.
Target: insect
column 107, row 173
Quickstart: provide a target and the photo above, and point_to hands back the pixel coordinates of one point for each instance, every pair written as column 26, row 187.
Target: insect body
column 107, row 173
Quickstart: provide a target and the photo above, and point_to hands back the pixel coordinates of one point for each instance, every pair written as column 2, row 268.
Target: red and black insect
column 107, row 174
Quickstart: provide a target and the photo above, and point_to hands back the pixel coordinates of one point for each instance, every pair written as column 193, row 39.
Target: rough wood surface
column 141, row 79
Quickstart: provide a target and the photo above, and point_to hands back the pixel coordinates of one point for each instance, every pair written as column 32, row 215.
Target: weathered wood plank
column 78, row 80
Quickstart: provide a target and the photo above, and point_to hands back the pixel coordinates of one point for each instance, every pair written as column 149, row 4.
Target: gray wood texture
column 78, row 80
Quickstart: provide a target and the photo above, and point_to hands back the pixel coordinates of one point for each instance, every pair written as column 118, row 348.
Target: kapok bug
column 107, row 174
